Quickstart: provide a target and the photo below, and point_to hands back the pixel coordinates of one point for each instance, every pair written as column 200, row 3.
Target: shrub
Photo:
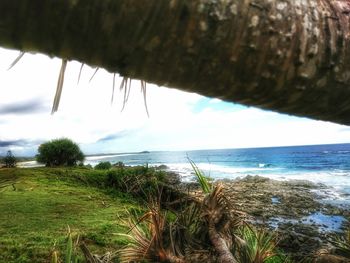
column 10, row 160
column 140, row 181
column 88, row 166
column 59, row 152
column 103, row 166
column 255, row 245
column 119, row 165
column 115, row 179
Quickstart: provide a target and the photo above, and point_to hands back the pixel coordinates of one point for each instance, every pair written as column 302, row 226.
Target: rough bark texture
column 292, row 56
column 220, row 245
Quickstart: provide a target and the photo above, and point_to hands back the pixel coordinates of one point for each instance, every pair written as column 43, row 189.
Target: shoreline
column 329, row 193
column 294, row 209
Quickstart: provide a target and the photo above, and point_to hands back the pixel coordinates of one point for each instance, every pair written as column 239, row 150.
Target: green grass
column 35, row 216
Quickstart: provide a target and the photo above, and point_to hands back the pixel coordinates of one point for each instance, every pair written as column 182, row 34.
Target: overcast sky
column 178, row 120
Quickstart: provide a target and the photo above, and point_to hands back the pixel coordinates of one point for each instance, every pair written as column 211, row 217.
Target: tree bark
column 220, row 245
column 291, row 56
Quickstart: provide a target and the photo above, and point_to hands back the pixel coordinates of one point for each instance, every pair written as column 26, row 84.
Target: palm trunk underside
column 290, row 56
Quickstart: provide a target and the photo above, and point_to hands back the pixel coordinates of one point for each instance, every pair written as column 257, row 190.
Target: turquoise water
column 325, row 164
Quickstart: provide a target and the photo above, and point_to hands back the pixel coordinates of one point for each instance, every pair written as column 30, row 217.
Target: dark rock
column 173, row 178
column 161, row 167
column 255, row 179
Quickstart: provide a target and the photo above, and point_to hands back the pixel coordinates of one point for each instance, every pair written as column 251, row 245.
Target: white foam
column 102, row 157
column 216, row 169
column 337, row 182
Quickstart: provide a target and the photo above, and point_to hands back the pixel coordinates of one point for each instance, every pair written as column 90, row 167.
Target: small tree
column 59, row 152
column 10, row 160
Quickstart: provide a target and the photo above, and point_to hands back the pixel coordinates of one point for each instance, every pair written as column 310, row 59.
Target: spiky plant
column 208, row 224
column 71, row 252
column 220, row 222
column 202, row 179
column 147, row 239
column 254, row 245
column 72, row 255
column 54, row 257
column 201, row 232
column 186, row 230
column 215, row 219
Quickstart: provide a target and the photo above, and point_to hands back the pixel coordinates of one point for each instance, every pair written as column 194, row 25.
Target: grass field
column 36, row 212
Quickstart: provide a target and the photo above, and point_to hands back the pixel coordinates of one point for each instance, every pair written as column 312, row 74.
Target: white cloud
column 86, row 114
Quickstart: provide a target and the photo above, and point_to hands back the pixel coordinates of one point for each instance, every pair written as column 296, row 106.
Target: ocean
column 322, row 164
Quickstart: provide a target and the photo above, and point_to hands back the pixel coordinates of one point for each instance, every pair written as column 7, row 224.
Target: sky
column 177, row 120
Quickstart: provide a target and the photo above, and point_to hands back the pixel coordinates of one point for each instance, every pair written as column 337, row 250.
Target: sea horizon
column 211, row 149
column 189, row 150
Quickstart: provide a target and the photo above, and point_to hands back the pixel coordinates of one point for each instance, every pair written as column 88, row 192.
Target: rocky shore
column 304, row 223
column 294, row 209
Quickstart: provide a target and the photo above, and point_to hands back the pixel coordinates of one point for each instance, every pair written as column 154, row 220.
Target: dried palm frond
column 81, row 69
column 147, row 242
column 215, row 205
column 59, row 88
column 128, row 95
column 90, row 258
column 139, row 247
column 93, row 75
column 21, row 54
column 113, row 89
column 144, row 90
column 124, row 87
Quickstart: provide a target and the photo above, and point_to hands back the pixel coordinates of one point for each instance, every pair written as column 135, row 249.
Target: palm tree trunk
column 292, row 56
column 219, row 243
